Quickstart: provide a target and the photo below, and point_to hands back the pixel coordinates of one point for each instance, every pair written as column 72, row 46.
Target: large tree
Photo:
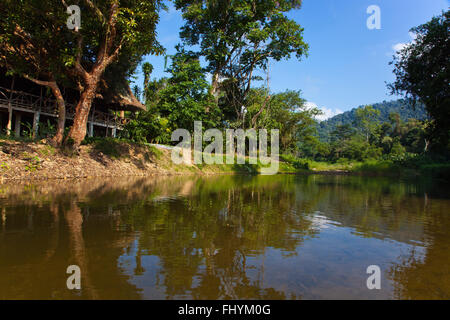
column 35, row 51
column 366, row 120
column 113, row 36
column 239, row 37
column 111, row 31
column 286, row 111
column 422, row 72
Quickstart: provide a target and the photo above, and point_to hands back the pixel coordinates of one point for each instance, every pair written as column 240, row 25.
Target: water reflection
column 225, row 237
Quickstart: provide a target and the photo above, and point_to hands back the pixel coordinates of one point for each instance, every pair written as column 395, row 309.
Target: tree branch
column 39, row 82
column 115, row 54
column 107, row 43
column 97, row 11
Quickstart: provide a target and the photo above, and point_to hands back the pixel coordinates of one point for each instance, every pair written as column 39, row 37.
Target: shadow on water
column 225, row 237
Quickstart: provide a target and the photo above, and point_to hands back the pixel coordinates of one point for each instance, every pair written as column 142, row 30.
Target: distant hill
column 402, row 107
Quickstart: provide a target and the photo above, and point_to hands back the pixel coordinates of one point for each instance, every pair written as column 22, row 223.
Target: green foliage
column 422, row 71
column 403, row 108
column 186, row 97
column 118, row 148
column 101, row 55
column 137, row 92
column 295, row 162
column 34, row 163
column 31, row 24
column 4, row 166
column 28, row 130
column 366, row 120
column 175, row 102
column 46, row 129
column 360, row 135
column 238, row 37
column 47, row 151
column 356, row 149
column 107, row 146
column 397, row 149
column 147, row 127
column 287, row 112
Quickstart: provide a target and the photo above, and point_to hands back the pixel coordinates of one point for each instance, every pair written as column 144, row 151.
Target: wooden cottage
column 25, row 105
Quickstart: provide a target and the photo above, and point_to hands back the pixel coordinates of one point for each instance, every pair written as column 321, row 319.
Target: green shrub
column 147, row 127
column 107, row 146
column 33, row 164
column 295, row 162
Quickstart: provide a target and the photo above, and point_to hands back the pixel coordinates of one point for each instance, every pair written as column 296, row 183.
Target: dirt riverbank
column 39, row 161
column 22, row 161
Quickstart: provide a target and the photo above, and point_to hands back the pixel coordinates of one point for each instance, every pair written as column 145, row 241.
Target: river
column 225, row 237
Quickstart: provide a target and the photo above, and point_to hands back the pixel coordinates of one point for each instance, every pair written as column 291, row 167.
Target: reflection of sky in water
column 238, row 237
column 330, row 265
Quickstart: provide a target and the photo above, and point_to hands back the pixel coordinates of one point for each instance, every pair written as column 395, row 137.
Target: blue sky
column 348, row 64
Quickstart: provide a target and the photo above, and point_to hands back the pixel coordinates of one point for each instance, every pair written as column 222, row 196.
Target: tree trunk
column 58, row 138
column 215, row 86
column 263, row 107
column 214, row 90
column 78, row 130
column 427, row 143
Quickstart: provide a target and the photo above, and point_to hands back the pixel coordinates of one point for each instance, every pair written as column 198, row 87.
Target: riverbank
column 24, row 160
column 40, row 161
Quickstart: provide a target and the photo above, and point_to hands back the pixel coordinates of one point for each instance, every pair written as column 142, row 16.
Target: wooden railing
column 23, row 101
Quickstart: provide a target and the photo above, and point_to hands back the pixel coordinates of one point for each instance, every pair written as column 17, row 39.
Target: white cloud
column 327, row 113
column 401, row 45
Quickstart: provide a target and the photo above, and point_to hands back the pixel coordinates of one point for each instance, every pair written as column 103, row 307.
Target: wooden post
column 9, row 125
column 17, row 125
column 36, row 117
column 91, row 124
column 91, row 129
column 36, row 124
column 114, row 132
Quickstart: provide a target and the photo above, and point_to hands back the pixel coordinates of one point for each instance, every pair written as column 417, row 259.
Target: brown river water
column 225, row 237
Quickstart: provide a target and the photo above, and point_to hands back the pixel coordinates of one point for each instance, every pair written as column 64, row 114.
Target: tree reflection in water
column 224, row 237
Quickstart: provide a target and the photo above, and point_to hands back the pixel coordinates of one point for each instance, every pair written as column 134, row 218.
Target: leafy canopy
column 422, row 71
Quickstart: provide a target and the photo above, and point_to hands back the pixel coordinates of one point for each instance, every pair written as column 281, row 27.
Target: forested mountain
column 402, row 107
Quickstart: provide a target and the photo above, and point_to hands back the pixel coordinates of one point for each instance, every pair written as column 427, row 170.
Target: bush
column 295, row 162
column 147, row 127
column 343, row 161
column 107, row 146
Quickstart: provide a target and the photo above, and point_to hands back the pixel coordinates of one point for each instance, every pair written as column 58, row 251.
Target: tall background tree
column 422, row 71
column 237, row 38
column 365, row 120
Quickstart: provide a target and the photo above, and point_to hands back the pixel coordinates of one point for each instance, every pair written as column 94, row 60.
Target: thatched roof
column 122, row 100
column 117, row 95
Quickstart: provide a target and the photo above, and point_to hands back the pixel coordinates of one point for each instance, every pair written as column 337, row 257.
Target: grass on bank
column 119, row 148
column 405, row 165
column 408, row 165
